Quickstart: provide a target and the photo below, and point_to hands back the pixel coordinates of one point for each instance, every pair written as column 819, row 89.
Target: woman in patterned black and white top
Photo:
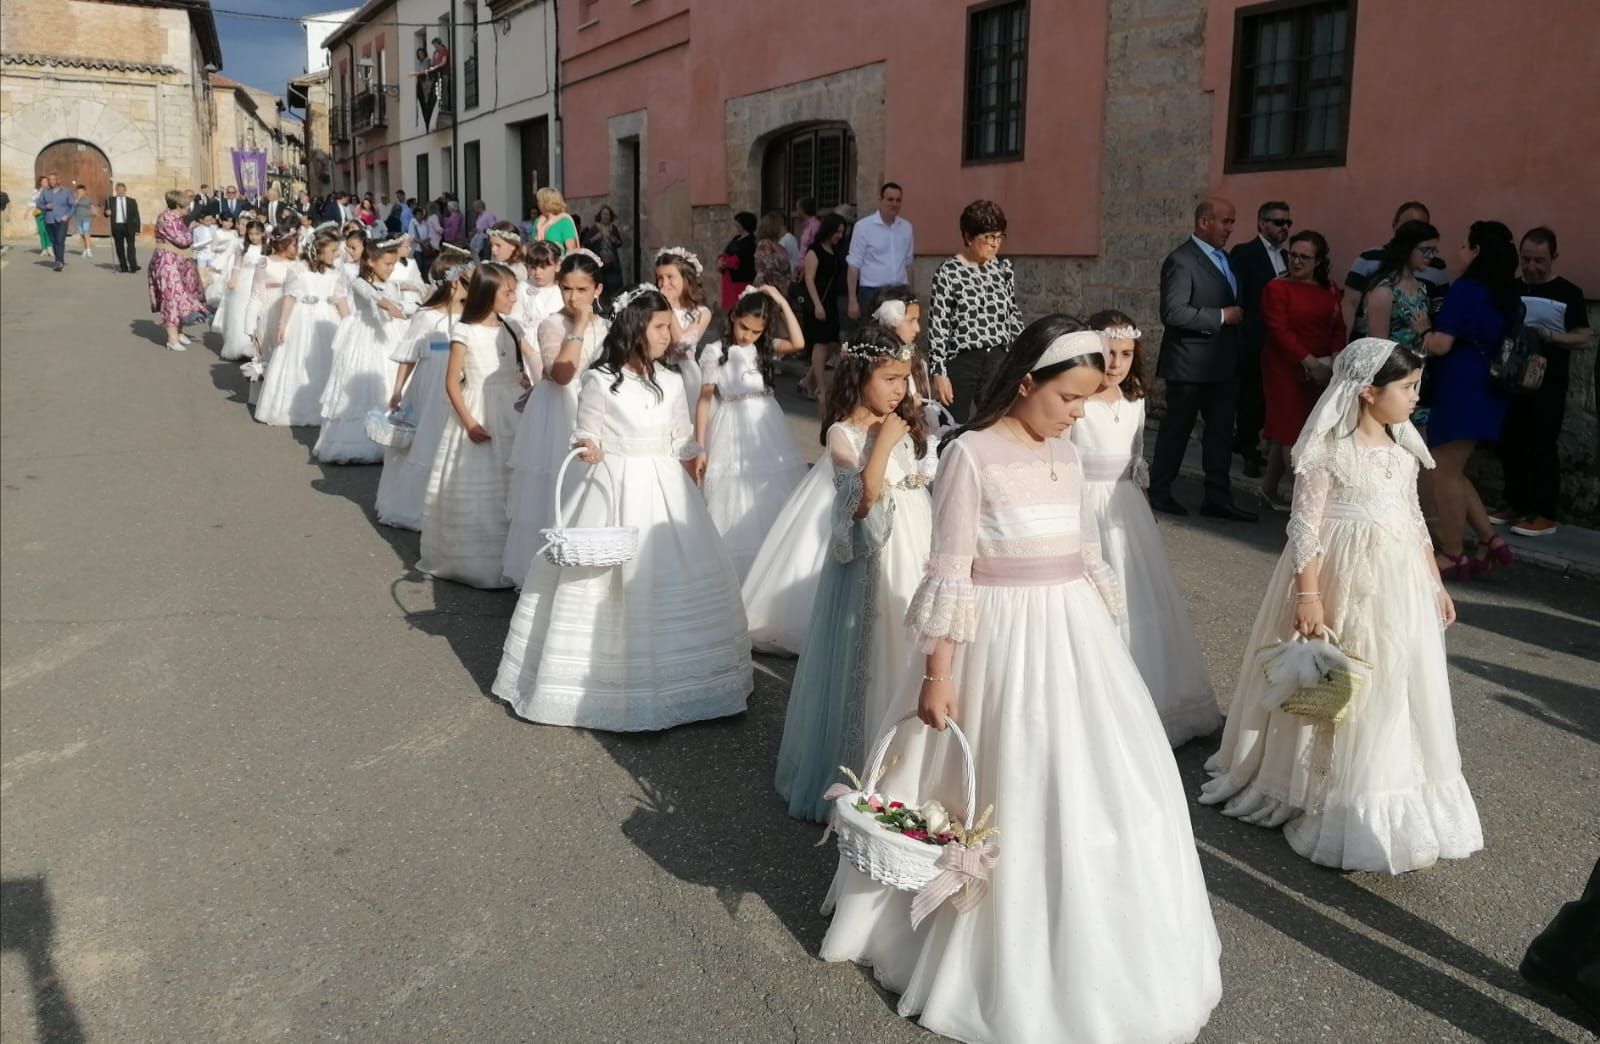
column 972, row 310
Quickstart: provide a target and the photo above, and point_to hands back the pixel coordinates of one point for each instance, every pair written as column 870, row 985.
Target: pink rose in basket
column 875, row 802
column 915, row 835
column 897, row 804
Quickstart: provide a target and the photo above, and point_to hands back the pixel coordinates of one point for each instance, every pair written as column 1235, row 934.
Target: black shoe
column 1254, row 466
column 1168, row 506
column 1229, row 512
column 58, row 267
column 135, row 268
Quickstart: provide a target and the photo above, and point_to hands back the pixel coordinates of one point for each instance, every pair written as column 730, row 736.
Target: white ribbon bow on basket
column 964, row 874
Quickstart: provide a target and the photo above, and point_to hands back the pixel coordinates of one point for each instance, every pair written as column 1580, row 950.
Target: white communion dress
column 266, row 302
column 1096, row 927
column 403, row 488
column 362, row 377
column 753, row 463
column 781, row 586
column 464, row 519
column 297, row 369
column 544, row 435
column 1383, row 790
column 659, row 640
column 1156, row 627
column 684, row 355
column 233, row 305
column 219, row 255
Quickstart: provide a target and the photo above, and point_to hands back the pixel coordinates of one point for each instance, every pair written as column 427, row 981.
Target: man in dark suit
column 334, row 211
column 202, row 204
column 1200, row 362
column 1256, row 262
column 123, row 212
column 231, row 205
column 274, row 210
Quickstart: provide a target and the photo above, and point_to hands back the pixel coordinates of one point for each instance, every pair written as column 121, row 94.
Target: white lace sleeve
column 1104, row 578
column 1311, row 489
column 594, row 396
column 944, row 605
column 550, row 335
column 711, row 363
column 1141, row 468
column 1419, row 520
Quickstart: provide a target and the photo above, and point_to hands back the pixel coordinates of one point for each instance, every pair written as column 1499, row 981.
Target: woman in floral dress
column 174, row 280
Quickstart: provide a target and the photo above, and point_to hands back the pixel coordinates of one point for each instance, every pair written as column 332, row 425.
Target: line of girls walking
column 1028, row 598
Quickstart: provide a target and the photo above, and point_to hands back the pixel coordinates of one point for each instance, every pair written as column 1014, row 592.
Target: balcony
column 339, row 123
column 368, row 111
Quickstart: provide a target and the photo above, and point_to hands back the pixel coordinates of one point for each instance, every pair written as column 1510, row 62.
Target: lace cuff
column 1141, row 473
column 1304, row 542
column 1105, row 581
column 689, row 449
column 944, row 605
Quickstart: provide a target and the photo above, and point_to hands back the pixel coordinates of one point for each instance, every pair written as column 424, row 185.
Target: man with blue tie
column 231, row 205
column 1199, row 361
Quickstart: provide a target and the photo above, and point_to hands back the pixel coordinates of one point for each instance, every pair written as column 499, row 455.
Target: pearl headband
column 870, row 349
column 1122, row 333
column 1070, row 346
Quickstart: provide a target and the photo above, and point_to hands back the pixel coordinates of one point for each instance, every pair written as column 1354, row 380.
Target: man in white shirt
column 881, row 250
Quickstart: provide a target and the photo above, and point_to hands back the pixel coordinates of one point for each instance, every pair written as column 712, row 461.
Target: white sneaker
column 180, row 347
column 88, row 253
column 183, row 339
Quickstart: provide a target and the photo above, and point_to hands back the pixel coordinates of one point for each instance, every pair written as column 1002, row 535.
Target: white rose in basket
column 935, row 819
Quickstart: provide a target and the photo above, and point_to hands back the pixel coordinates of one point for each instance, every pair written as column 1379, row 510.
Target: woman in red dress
column 1305, row 327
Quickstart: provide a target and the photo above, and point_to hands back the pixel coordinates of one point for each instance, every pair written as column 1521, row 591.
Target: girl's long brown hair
column 693, row 292
column 487, row 279
column 1133, row 387
column 850, row 376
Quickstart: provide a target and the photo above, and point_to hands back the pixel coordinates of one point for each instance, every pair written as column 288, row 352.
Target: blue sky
column 266, row 54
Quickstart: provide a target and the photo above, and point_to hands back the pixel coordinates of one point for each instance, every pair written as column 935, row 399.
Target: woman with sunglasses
column 1304, row 327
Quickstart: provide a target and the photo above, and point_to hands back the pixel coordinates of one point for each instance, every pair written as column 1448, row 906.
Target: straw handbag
column 1313, row 678
column 586, row 545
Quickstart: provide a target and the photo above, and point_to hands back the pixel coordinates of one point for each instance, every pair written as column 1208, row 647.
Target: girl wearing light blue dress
column 858, row 653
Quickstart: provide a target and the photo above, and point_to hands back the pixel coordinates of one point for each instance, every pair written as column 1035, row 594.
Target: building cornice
column 68, row 61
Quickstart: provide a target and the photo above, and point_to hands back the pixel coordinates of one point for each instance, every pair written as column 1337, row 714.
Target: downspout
column 349, row 115
column 558, row 171
column 457, row 184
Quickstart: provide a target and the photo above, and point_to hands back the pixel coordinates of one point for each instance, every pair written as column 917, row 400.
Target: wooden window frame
column 1232, row 163
column 972, row 13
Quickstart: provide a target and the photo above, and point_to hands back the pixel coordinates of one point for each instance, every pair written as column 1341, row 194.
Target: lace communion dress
column 1382, row 791
column 544, row 435
column 782, row 583
column 1096, row 926
column 464, row 518
column 233, row 313
column 856, row 666
column 659, row 640
column 362, row 377
column 753, row 463
column 683, row 355
column 403, row 487
column 297, row 369
column 1156, row 627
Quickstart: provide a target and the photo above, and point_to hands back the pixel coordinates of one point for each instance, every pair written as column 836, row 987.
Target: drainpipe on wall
column 558, row 171
column 349, row 115
column 457, row 185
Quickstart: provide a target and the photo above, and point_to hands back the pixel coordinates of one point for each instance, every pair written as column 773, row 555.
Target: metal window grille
column 1292, row 84
column 997, row 74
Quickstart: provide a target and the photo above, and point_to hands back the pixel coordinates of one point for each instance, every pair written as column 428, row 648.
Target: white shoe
column 88, row 253
column 180, row 347
column 183, row 339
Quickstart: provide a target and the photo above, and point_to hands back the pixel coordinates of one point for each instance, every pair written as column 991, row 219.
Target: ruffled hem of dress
column 723, row 700
column 344, row 441
column 1186, row 1035
column 1190, row 721
column 1390, row 833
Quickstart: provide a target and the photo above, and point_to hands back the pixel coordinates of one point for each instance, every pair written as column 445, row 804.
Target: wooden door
column 533, row 156
column 80, row 163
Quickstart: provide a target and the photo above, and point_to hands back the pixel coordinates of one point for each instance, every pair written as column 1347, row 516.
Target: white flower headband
column 383, row 245
column 1070, row 346
column 505, row 233
column 627, row 297
column 1122, row 333
column 878, row 349
column 891, row 313
column 590, row 254
column 455, row 272
column 683, row 254
column 747, row 291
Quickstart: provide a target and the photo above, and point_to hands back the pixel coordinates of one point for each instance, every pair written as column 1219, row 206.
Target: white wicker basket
column 938, row 416
column 393, row 430
column 886, row 856
column 587, row 545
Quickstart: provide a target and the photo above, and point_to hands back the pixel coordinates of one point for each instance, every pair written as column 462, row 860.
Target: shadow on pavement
column 27, row 927
column 1256, row 871
column 149, row 330
column 1559, row 704
column 1553, row 631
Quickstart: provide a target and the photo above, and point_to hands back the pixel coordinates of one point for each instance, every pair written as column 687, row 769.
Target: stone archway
column 853, row 99
column 79, row 162
column 131, row 147
column 815, row 161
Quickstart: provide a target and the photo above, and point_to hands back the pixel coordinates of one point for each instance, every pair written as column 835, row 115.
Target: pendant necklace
column 1116, row 411
column 1047, row 447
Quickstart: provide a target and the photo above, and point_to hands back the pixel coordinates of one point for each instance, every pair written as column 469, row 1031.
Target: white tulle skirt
column 1097, row 927
column 1156, row 628
column 653, row 643
column 361, row 381
column 298, row 369
column 544, row 437
column 403, row 488
column 753, row 466
column 1383, row 791
column 782, row 583
column 464, row 517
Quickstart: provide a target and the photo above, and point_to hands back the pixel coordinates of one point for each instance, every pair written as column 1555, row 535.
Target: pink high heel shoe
column 1460, row 568
column 1496, row 554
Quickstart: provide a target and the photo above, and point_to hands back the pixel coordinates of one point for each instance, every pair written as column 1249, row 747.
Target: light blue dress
column 858, row 652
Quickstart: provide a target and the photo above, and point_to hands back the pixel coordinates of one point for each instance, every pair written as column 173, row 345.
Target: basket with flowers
column 914, row 846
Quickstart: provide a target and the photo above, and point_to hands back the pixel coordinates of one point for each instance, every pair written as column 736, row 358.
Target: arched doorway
column 816, row 160
column 78, row 162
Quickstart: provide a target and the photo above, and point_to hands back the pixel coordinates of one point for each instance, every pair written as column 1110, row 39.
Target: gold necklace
column 1049, row 450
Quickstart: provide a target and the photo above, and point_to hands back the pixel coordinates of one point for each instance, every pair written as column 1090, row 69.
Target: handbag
column 1518, row 365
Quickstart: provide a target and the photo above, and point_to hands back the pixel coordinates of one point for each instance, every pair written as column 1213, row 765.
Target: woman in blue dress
column 1475, row 317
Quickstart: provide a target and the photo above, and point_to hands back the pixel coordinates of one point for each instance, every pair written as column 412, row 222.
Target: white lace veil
column 1334, row 417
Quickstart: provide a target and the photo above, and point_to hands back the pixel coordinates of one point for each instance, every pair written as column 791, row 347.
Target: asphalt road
column 253, row 787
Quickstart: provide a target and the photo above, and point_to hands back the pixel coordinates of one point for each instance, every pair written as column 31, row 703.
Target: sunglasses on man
column 1281, row 222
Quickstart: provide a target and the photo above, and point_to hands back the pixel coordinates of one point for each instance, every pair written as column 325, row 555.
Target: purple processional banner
column 250, row 172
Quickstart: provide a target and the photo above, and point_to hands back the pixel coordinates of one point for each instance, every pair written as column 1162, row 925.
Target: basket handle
column 944, row 413
column 875, row 762
column 561, row 483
